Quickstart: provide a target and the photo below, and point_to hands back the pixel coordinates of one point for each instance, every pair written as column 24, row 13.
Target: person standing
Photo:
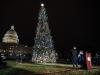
column 2, row 63
column 81, row 59
column 74, row 57
column 97, row 58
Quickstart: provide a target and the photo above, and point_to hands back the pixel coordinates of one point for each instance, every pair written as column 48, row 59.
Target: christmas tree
column 43, row 50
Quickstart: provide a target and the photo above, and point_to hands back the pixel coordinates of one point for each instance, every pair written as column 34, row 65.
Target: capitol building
column 10, row 47
column 11, row 36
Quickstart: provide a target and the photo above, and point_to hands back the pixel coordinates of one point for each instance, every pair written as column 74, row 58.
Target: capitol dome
column 11, row 36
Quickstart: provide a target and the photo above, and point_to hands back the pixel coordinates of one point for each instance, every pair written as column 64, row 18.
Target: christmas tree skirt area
column 45, row 69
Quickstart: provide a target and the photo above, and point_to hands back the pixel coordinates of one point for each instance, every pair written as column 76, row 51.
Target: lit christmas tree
column 43, row 50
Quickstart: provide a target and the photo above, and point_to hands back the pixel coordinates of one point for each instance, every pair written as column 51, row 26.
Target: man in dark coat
column 74, row 57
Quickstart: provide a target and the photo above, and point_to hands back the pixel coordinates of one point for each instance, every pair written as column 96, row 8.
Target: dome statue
column 11, row 36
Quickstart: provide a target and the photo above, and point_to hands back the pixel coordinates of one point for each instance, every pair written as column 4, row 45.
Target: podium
column 88, row 61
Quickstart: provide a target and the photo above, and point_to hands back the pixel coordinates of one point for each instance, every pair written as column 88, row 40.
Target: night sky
column 72, row 22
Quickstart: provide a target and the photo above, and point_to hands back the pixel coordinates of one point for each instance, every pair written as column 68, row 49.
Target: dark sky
column 72, row 22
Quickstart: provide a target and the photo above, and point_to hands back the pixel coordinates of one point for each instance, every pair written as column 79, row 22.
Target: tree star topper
column 42, row 4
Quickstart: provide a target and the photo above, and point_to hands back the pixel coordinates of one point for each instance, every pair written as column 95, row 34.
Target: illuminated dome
column 11, row 36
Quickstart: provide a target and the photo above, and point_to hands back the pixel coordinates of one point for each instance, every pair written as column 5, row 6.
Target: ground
column 45, row 69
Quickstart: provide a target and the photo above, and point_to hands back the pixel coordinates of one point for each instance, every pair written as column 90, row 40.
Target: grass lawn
column 44, row 69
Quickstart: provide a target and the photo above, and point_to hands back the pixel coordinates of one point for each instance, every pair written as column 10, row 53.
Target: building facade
column 11, row 49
